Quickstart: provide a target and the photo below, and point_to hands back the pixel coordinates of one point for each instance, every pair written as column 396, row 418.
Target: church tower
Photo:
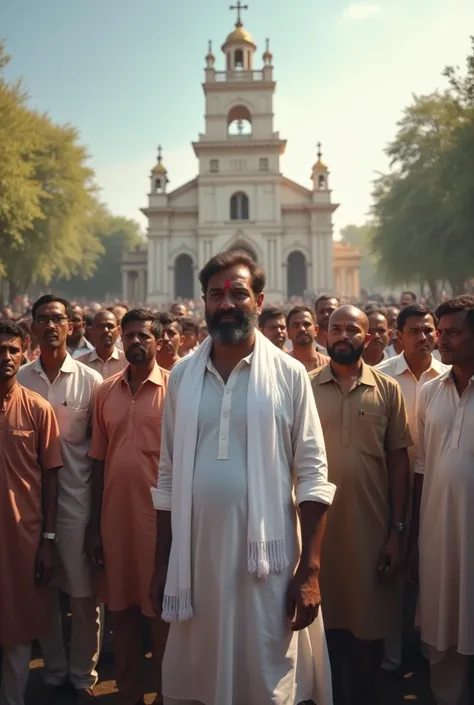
column 239, row 154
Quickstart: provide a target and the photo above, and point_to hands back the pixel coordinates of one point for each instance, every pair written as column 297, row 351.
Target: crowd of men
column 273, row 491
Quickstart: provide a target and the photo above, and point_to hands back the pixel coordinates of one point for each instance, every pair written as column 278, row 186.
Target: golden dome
column 239, row 35
column 320, row 166
column 158, row 169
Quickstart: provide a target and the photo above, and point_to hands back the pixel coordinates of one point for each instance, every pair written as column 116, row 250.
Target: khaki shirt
column 360, row 429
column 115, row 364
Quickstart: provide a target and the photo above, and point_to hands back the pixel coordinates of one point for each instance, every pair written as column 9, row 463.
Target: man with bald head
column 366, row 433
column 106, row 358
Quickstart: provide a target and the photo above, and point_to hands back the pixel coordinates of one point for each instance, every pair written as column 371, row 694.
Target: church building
column 240, row 199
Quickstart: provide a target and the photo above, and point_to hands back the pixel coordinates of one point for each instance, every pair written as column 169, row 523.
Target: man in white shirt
column 443, row 517
column 105, row 358
column 416, row 330
column 69, row 387
column 237, row 636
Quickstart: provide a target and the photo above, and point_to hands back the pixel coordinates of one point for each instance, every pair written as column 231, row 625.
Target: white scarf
column 265, row 530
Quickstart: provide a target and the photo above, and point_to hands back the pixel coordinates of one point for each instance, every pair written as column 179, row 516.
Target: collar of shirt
column 366, row 377
column 448, row 377
column 67, row 367
column 155, row 376
column 83, row 345
column 93, row 355
column 401, row 365
column 245, row 360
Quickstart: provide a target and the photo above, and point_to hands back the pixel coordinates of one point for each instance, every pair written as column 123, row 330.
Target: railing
column 222, row 76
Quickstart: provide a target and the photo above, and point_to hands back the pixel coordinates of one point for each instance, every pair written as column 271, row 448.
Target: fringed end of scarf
column 265, row 557
column 177, row 608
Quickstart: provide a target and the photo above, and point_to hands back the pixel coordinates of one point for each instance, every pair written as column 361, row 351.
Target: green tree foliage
column 117, row 235
column 48, row 199
column 424, row 208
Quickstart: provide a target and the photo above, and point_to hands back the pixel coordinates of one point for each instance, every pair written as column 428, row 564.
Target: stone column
column 141, row 293
column 124, row 285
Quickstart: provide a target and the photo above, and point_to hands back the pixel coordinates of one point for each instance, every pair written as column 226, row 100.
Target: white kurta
column 446, row 459
column 238, row 649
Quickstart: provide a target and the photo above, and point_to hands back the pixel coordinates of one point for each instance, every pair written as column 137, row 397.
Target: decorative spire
column 159, row 168
column 239, row 7
column 160, row 154
column 320, row 154
column 209, row 48
column 268, row 56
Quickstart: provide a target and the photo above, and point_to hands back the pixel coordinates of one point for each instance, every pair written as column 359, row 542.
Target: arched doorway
column 297, row 275
column 184, row 277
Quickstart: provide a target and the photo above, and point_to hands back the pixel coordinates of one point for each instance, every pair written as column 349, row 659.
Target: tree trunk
column 458, row 286
column 433, row 284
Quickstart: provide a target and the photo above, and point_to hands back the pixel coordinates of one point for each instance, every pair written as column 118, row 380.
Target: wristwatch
column 49, row 536
column 399, row 527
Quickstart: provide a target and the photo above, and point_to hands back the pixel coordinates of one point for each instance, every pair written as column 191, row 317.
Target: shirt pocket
column 24, row 441
column 371, row 431
column 149, row 433
column 72, row 423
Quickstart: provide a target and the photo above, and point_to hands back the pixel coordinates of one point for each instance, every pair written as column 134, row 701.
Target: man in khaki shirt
column 106, row 358
column 302, row 331
column 366, row 433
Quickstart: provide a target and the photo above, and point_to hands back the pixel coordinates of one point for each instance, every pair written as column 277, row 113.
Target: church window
column 321, row 182
column 158, row 187
column 263, row 164
column 239, row 207
column 214, row 166
column 239, row 59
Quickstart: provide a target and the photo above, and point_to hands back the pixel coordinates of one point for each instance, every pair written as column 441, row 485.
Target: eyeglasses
column 55, row 320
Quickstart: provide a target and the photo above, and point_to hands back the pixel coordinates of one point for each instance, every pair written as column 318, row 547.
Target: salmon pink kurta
column 29, row 444
column 127, row 436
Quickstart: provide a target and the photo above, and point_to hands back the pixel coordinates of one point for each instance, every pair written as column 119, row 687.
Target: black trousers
column 355, row 667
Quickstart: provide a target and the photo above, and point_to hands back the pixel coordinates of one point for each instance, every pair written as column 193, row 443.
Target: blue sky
column 128, row 74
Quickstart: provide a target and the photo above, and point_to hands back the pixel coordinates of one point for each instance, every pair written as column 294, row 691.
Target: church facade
column 240, row 199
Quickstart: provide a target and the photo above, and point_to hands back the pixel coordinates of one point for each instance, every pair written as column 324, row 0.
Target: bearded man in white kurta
column 241, row 438
column 443, row 519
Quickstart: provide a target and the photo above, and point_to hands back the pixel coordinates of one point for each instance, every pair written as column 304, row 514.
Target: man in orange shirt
column 30, row 457
column 302, row 331
column 121, row 536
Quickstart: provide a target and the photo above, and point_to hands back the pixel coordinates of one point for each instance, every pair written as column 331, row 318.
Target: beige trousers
column 15, row 671
column 85, row 644
column 449, row 677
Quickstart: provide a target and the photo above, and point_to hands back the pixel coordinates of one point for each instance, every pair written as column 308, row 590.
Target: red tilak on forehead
column 227, row 284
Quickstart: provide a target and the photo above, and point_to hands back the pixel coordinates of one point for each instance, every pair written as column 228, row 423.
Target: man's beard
column 231, row 332
column 345, row 357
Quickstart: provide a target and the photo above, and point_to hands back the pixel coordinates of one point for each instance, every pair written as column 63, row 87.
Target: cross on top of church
column 160, row 154
column 320, row 154
column 239, row 7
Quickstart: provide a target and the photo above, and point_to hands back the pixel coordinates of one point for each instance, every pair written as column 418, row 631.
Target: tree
column 20, row 193
column 116, row 235
column 424, row 208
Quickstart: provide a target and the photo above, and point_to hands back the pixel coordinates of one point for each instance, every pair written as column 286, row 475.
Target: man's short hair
column 409, row 293
column 269, row 314
column 457, row 304
column 52, row 299
column 411, row 311
column 300, row 309
column 371, row 308
column 188, row 324
column 166, row 319
column 325, row 297
column 141, row 314
column 233, row 258
column 12, row 329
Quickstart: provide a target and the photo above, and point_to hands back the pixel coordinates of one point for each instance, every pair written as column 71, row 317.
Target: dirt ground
column 409, row 684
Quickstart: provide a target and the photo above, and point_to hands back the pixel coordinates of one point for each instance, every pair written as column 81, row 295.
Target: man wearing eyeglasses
column 69, row 386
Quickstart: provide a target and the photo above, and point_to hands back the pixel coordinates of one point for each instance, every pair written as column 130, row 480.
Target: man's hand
column 390, row 556
column 303, row 598
column 45, row 562
column 93, row 547
column 413, row 562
